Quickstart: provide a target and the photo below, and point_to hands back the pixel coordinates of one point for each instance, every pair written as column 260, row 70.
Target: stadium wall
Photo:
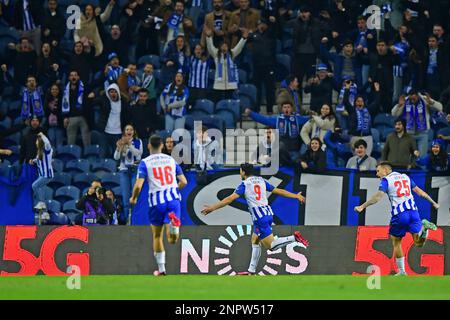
column 214, row 250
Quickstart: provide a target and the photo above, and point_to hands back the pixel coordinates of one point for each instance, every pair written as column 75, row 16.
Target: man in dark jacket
column 144, row 116
column 27, row 19
column 53, row 24
column 23, row 58
column 308, row 33
column 321, row 88
column 264, row 61
column 28, row 150
column 81, row 60
column 435, row 67
column 75, row 109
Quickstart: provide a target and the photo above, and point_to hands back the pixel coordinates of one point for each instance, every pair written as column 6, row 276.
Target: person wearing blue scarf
column 113, row 70
column 31, row 100
column 226, row 78
column 360, row 122
column 173, row 101
column 348, row 93
column 289, row 126
column 415, row 110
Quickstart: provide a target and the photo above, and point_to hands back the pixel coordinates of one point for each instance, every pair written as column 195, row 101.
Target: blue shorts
column 159, row 214
column 407, row 221
column 263, row 227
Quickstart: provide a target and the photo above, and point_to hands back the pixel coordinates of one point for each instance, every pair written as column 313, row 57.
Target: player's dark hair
column 361, row 142
column 248, row 169
column 155, row 141
column 385, row 164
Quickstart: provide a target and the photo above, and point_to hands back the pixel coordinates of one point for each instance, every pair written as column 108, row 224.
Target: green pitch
column 225, row 287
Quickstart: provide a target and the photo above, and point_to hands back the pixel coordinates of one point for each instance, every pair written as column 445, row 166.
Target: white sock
column 256, row 254
column 281, row 242
column 161, row 261
column 173, row 230
column 400, row 264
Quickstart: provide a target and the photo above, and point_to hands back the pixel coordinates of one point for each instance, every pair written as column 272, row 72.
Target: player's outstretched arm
column 426, row 196
column 136, row 190
column 208, row 209
column 375, row 198
column 182, row 181
column 287, row 194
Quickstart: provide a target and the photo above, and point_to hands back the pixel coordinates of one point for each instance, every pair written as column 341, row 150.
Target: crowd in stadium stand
column 345, row 86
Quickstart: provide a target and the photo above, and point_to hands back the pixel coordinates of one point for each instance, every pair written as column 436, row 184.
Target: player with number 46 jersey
column 405, row 215
column 165, row 178
column 254, row 189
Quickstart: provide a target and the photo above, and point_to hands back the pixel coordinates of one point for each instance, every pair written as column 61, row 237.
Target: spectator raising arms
column 226, row 78
column 318, row 125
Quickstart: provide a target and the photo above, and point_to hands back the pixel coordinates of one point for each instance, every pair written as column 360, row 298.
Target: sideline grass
column 192, row 287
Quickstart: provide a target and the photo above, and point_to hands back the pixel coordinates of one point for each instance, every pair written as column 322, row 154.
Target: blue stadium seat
column 15, row 154
column 244, row 102
column 10, row 32
column 58, row 218
column 4, row 168
column 53, row 205
column 11, row 140
column 204, row 105
column 111, row 180
column 92, row 152
column 375, row 135
column 287, row 45
column 48, row 193
column 105, row 165
column 197, row 114
column 68, row 152
column 384, row 119
column 232, row 106
column 150, row 58
column 74, row 167
column 248, row 90
column 60, row 180
column 214, row 121
column 384, row 132
column 242, row 76
column 58, row 166
column 279, row 46
column 83, row 180
column 157, row 73
column 228, row 118
column 67, row 193
column 283, row 66
column 5, row 123
column 70, row 207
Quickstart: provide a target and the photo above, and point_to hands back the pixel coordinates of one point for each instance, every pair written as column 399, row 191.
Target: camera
column 101, row 190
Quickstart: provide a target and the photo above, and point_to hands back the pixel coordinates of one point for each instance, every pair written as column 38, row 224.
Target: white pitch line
column 273, row 252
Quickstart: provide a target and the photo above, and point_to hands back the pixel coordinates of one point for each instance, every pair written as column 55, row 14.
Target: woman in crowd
column 173, row 101
column 437, row 159
column 129, row 151
column 314, row 159
column 52, row 108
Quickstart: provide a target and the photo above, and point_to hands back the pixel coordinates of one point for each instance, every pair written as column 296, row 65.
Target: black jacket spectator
column 321, row 92
column 28, row 148
column 55, row 24
column 23, row 59
column 36, row 9
column 145, row 119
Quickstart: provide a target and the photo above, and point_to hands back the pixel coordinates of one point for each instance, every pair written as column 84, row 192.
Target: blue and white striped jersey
column 399, row 187
column 254, row 190
column 44, row 166
column 161, row 172
column 198, row 73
